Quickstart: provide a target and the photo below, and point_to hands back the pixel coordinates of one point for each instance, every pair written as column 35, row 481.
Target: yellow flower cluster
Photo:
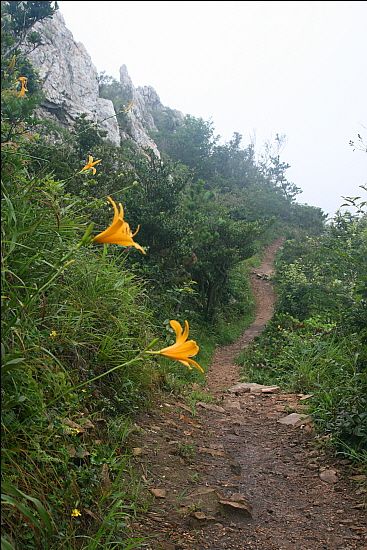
column 119, row 232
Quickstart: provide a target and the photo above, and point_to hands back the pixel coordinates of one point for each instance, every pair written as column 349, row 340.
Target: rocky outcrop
column 140, row 119
column 153, row 105
column 70, row 83
column 70, row 80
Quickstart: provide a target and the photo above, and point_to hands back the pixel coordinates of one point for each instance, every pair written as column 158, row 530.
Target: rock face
column 140, row 118
column 70, row 82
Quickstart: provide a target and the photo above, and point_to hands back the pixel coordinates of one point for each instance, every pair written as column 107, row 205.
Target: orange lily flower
column 90, row 165
column 119, row 231
column 183, row 349
column 23, row 80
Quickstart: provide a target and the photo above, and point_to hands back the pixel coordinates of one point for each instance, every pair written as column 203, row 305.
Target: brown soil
column 225, row 474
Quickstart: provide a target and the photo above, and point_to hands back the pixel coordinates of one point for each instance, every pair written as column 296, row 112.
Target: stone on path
column 210, row 407
column 293, row 419
column 270, row 389
column 329, row 476
column 238, row 502
column 246, row 387
column 159, row 493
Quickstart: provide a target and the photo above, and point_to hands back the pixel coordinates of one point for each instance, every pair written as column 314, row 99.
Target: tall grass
column 73, row 326
column 314, row 357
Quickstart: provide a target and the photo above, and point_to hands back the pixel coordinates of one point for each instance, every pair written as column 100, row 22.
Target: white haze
column 258, row 68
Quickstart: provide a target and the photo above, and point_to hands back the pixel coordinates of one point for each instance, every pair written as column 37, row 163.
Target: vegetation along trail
column 241, row 470
column 108, row 439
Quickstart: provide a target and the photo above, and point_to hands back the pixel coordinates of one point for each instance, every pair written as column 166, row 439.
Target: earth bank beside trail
column 239, row 470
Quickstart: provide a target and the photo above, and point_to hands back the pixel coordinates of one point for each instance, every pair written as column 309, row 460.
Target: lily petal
column 119, row 231
column 182, row 350
column 180, row 336
column 91, row 164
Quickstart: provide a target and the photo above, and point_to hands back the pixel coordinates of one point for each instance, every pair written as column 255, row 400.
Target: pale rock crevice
column 139, row 117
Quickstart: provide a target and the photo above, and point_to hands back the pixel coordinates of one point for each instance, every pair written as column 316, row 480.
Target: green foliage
column 156, row 198
column 110, row 88
column 87, row 135
column 323, row 279
column 341, row 413
column 77, row 315
column 20, row 17
column 18, row 39
column 218, row 243
column 8, row 493
column 65, row 326
column 313, row 357
column 234, row 167
column 191, row 143
column 223, row 243
column 166, row 120
column 203, row 213
column 316, row 342
column 71, row 319
column 17, row 113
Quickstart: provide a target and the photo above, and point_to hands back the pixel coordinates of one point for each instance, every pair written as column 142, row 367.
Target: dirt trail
column 223, row 372
column 228, row 473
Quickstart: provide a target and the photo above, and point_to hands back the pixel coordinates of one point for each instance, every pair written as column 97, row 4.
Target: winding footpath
column 223, row 372
column 232, row 473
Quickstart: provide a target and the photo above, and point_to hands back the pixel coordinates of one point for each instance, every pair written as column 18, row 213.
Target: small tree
column 191, row 144
column 17, row 21
column 156, row 199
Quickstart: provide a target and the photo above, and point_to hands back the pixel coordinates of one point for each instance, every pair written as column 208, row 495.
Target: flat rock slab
column 239, row 503
column 242, row 507
column 206, row 499
column 210, row 407
column 293, row 419
column 329, row 476
column 246, row 387
column 270, row 389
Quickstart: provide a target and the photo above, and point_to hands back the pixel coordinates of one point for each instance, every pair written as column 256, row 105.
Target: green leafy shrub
column 316, row 340
column 341, row 412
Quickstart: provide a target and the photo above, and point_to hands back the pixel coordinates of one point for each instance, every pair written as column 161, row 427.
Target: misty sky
column 258, row 68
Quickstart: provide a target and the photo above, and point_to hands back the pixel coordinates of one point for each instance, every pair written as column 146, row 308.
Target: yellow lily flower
column 23, row 80
column 119, row 231
column 183, row 349
column 90, row 165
